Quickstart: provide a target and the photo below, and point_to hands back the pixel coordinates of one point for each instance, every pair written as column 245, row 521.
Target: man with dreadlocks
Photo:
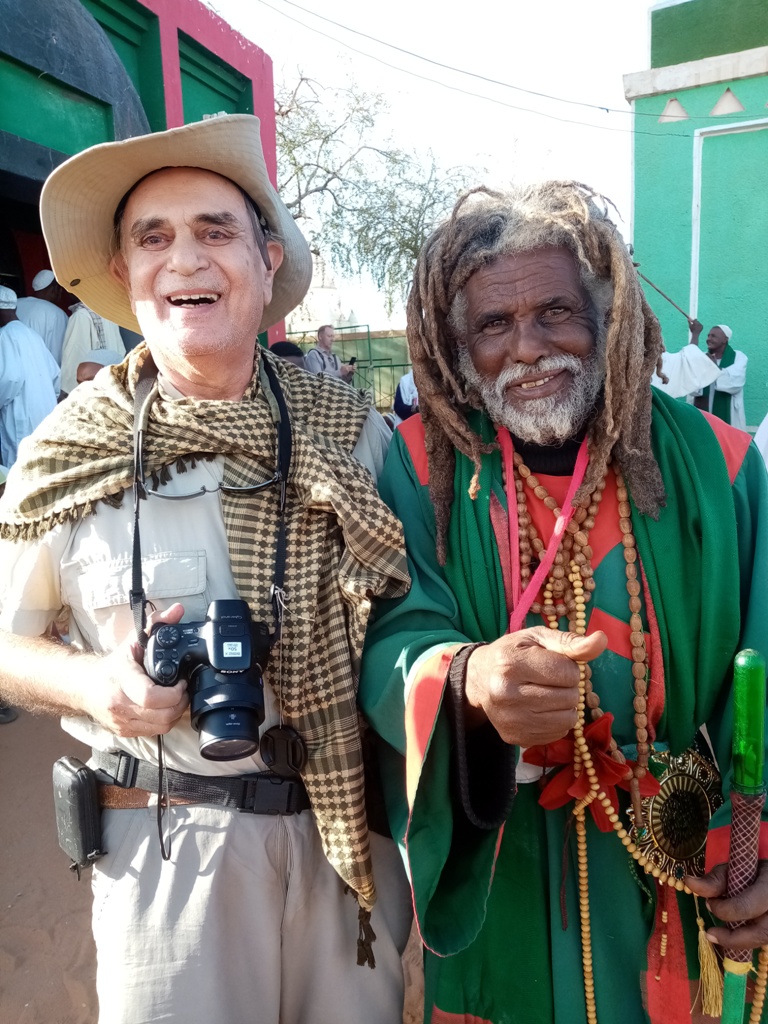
column 237, row 876
column 579, row 592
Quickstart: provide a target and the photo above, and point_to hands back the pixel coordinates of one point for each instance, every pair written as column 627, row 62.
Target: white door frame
column 698, row 151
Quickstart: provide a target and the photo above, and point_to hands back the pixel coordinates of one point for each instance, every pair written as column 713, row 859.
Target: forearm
column 44, row 675
column 730, row 383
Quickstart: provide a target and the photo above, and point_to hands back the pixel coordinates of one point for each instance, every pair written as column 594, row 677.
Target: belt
column 258, row 793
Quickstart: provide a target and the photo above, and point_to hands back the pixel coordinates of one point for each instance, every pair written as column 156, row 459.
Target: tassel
column 711, row 978
column 181, row 465
column 365, row 939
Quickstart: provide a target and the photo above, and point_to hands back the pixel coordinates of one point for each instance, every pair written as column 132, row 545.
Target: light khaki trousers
column 246, row 924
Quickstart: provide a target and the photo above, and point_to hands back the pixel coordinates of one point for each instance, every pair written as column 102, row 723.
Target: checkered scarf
column 344, row 545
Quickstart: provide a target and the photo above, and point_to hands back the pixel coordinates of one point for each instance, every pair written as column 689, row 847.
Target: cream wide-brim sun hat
column 79, row 199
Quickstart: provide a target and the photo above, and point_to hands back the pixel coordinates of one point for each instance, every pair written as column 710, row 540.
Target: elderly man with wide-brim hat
column 237, row 876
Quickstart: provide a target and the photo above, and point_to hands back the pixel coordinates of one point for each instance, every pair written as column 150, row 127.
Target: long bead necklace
column 567, row 592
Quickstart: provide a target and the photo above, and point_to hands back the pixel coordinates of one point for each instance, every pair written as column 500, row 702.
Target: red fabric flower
column 564, row 785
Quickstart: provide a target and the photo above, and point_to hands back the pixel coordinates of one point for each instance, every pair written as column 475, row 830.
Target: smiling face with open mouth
column 530, row 344
column 197, row 281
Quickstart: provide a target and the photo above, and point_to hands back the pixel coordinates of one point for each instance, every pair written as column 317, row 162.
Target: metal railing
column 376, row 371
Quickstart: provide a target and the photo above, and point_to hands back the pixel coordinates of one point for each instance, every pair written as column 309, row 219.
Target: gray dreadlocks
column 484, row 226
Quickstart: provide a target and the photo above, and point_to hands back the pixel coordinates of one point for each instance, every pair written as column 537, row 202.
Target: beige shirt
column 83, row 570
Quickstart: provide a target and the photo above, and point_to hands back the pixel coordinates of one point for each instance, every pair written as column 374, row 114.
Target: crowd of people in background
column 81, row 343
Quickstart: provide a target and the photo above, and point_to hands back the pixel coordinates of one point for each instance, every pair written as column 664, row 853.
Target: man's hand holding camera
column 124, row 699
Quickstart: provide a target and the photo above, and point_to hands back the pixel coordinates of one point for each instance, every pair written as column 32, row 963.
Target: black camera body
column 223, row 659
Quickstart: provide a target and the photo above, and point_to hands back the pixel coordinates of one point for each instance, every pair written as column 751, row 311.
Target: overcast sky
column 575, row 52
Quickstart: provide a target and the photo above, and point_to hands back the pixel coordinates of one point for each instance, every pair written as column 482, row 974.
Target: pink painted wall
column 214, row 34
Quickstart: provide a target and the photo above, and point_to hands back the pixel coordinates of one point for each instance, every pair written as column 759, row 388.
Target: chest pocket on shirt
column 101, row 590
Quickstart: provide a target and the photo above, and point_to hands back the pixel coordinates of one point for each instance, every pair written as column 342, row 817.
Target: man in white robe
column 29, row 379
column 86, row 332
column 40, row 312
column 406, row 401
column 706, row 378
column 688, row 370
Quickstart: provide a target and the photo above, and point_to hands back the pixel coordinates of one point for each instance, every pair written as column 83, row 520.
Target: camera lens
column 227, row 734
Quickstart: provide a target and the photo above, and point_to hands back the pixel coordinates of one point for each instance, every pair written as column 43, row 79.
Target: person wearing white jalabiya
column 406, row 401
column 40, row 312
column 699, row 376
column 29, row 379
column 86, row 332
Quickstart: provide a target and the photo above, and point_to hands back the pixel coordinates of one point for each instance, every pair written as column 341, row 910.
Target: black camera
column 223, row 659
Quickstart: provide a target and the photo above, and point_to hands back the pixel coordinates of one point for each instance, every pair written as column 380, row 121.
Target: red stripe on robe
column 617, row 631
column 734, row 443
column 719, row 844
column 420, row 717
column 443, row 1017
column 421, row 709
column 413, row 435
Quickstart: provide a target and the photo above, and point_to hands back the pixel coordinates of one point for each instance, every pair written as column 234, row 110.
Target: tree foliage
column 364, row 207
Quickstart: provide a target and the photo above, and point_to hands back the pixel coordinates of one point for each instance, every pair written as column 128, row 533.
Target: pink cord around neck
column 524, row 599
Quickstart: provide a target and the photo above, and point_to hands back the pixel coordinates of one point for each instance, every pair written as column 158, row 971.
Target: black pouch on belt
column 78, row 815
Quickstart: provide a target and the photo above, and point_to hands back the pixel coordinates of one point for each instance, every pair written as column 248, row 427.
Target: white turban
column 726, row 331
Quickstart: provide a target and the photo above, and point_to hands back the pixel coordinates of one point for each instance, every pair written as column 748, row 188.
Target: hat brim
column 79, row 199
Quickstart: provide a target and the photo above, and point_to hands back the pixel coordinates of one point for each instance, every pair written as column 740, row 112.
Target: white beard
column 548, row 420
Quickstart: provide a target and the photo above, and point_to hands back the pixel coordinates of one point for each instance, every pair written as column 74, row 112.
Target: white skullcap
column 726, row 331
column 7, row 298
column 42, row 280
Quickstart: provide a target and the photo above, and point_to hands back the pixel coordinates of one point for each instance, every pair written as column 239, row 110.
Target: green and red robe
column 490, row 904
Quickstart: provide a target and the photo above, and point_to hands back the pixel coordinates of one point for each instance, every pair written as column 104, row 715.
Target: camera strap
column 284, row 750
column 141, row 403
column 143, row 398
column 284, row 452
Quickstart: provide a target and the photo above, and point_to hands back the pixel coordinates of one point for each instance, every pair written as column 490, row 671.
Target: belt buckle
column 126, row 769
column 268, row 794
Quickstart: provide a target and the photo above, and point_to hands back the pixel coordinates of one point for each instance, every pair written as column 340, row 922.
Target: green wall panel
column 35, row 106
column 705, row 28
column 209, row 84
column 733, row 266
column 135, row 35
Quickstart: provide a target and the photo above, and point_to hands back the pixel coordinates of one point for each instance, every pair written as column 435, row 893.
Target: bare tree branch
column 363, row 205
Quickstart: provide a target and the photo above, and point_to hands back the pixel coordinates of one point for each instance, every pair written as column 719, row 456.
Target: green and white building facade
column 700, row 217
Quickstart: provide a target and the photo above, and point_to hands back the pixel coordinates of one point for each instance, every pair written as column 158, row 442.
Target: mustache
column 547, row 364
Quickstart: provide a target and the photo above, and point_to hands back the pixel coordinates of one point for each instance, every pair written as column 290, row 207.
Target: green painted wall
column 733, row 261
column 209, row 85
column 36, row 107
column 704, row 28
column 134, row 33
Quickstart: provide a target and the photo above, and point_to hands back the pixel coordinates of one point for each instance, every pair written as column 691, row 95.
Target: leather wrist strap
column 492, row 761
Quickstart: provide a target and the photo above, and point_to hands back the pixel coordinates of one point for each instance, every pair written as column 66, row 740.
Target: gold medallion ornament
column 672, row 831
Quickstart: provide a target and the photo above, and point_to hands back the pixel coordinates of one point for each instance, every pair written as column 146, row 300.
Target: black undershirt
column 553, row 460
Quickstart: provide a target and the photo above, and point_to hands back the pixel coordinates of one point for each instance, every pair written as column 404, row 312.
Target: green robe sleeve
column 406, row 659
